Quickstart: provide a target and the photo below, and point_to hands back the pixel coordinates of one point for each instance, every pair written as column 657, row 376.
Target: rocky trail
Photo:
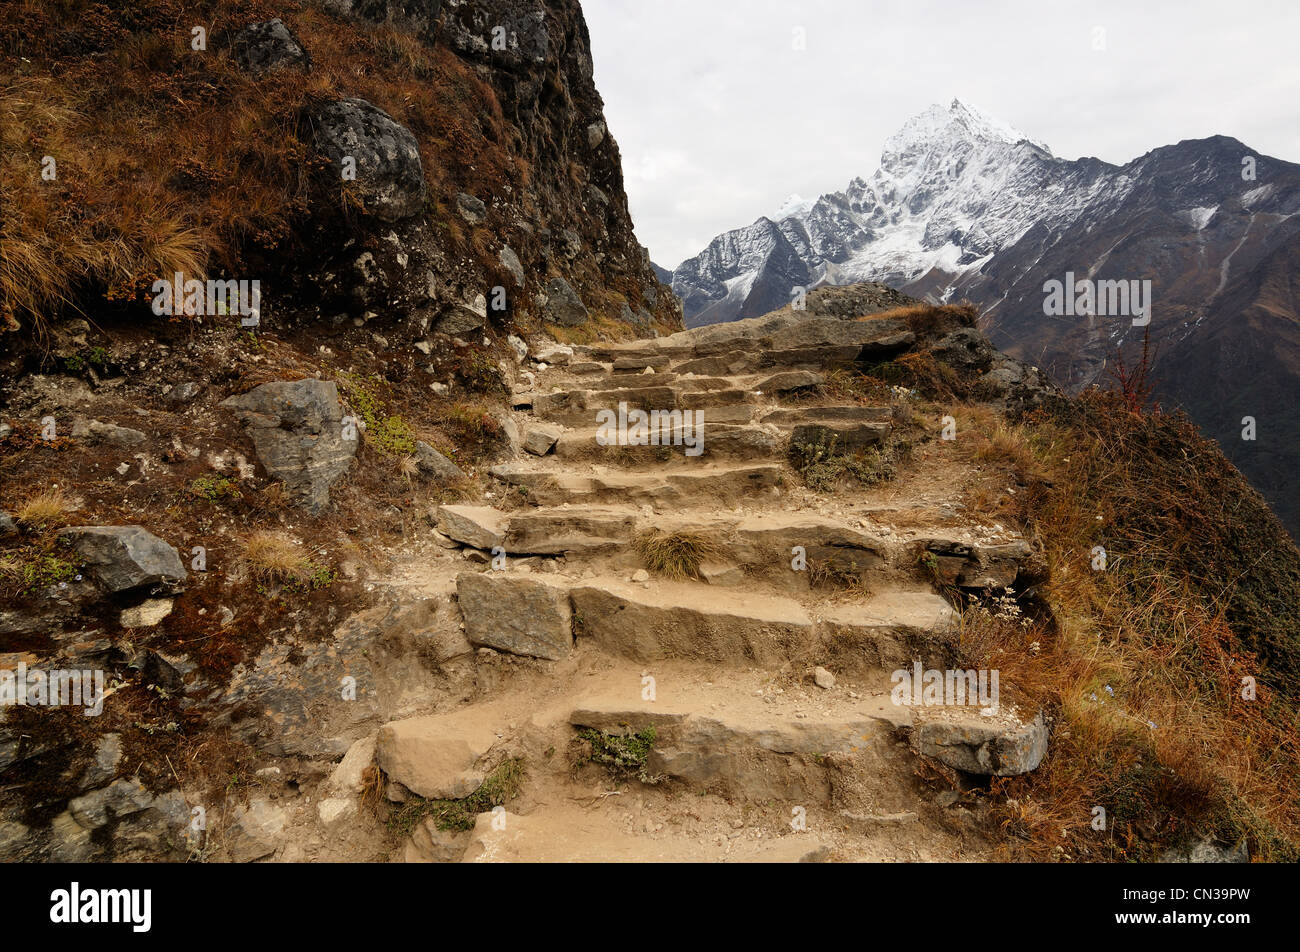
column 767, row 690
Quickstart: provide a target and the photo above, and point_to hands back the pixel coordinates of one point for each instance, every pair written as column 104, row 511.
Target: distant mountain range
column 964, row 206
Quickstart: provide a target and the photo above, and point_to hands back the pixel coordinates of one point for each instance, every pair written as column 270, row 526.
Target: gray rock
column 558, row 355
column 108, row 754
column 471, row 209
column 433, row 465
column 1208, row 851
column 512, row 442
column 823, row 679
column 258, row 831
column 428, row 844
column 510, row 261
column 572, row 243
column 183, row 392
column 469, row 29
column 263, row 48
column 296, row 428
column 562, row 305
column 420, row 18
column 94, row 431
column 595, row 134
column 7, row 525
column 479, row 526
column 390, row 178
column 539, row 441
column 348, row 778
column 990, row 750
column 520, row 615
column 640, row 318
column 12, row 835
column 147, row 614
column 120, row 798
column 461, row 321
column 125, row 557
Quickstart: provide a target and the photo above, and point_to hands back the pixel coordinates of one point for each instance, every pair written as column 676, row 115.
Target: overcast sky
column 719, row 118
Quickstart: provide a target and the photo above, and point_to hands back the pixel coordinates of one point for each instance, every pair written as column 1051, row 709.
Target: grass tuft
column 678, row 555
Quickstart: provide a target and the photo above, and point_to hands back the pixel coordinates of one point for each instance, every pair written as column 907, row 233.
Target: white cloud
column 719, row 118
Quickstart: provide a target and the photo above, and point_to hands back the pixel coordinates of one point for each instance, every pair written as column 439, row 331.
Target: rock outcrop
column 298, row 432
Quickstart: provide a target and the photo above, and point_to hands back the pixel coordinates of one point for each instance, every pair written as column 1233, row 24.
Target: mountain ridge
column 960, row 209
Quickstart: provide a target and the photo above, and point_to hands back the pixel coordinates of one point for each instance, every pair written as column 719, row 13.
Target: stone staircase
column 729, row 650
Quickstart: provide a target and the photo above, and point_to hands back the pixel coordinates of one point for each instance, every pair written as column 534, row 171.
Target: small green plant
column 213, row 489
column 497, row 789
column 622, row 754
column 45, row 570
column 823, row 467
column 92, row 357
column 386, row 432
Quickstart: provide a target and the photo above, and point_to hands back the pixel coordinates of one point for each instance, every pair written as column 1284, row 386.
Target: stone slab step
column 829, row 414
column 690, row 620
column 712, row 441
column 571, row 833
column 688, row 484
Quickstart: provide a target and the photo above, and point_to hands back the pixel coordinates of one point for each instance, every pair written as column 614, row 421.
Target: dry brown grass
column 677, row 555
column 1142, row 665
column 274, row 557
column 170, row 159
column 44, row 510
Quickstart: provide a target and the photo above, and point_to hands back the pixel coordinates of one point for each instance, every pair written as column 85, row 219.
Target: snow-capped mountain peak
column 794, row 205
column 953, row 187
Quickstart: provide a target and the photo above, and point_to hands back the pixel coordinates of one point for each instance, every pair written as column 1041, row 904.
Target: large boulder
column 389, row 176
column 516, row 614
column 263, row 48
column 561, row 305
column 512, row 31
column 297, row 430
column 125, row 557
column 437, row 757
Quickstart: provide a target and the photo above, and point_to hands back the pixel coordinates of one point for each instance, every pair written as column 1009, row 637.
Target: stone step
column 661, row 619
column 727, row 738
column 889, row 630
column 715, row 395
column 790, row 416
column 781, row 340
column 687, row 484
column 576, row 530
column 561, row 531
column 573, row 833
column 712, row 441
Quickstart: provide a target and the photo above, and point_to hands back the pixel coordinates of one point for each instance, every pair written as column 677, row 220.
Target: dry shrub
column 1143, row 665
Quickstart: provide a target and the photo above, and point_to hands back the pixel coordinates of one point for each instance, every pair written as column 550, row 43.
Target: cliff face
column 506, row 180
